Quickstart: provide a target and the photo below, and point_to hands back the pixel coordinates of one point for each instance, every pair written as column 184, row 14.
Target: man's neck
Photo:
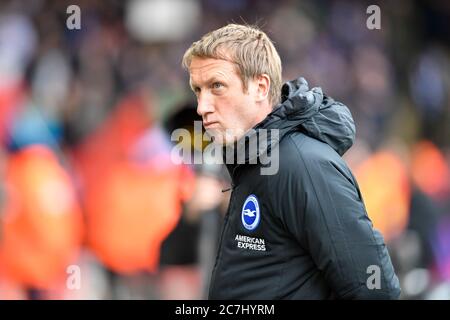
column 265, row 109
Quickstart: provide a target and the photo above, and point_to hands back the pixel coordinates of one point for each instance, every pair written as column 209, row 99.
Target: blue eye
column 217, row 85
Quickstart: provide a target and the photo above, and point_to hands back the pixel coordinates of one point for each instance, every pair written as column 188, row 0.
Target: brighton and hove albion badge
column 250, row 215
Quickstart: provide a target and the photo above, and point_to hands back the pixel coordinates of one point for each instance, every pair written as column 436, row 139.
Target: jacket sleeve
column 337, row 232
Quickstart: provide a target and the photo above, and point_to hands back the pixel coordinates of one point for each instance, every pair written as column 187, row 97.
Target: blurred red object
column 11, row 96
column 42, row 223
column 131, row 212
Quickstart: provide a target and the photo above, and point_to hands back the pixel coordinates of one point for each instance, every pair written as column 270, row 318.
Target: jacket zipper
column 224, row 229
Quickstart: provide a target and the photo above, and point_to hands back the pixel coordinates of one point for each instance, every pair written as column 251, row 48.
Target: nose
column 204, row 105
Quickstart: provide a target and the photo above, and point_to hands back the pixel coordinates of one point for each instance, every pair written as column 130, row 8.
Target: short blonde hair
column 246, row 46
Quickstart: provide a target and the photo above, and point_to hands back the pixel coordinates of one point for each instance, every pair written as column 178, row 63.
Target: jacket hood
column 313, row 113
column 301, row 109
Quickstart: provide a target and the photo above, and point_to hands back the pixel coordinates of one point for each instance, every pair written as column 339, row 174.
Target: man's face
column 227, row 111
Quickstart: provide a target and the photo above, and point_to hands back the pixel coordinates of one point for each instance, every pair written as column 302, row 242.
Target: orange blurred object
column 42, row 222
column 429, row 170
column 384, row 184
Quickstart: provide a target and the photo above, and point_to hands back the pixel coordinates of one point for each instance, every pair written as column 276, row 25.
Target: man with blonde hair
column 303, row 231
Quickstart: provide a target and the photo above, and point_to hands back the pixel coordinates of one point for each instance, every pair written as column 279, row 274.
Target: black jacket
column 302, row 233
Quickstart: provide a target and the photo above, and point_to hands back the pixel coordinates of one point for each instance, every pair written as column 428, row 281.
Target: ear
column 263, row 86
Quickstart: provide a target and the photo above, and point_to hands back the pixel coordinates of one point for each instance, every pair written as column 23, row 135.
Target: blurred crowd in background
column 87, row 185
